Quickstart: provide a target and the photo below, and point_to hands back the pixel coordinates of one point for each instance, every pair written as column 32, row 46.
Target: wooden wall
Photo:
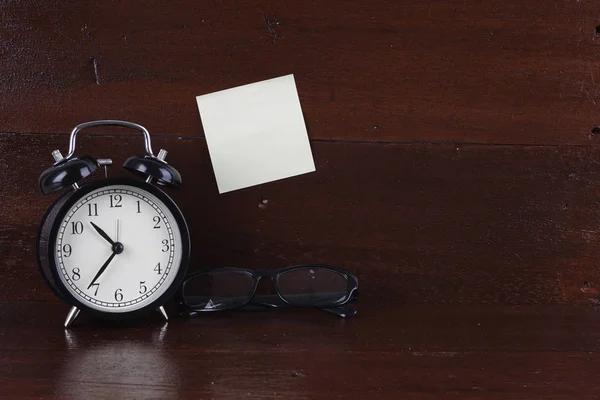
column 454, row 143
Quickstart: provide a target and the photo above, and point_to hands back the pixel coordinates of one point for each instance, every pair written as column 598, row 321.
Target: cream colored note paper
column 256, row 133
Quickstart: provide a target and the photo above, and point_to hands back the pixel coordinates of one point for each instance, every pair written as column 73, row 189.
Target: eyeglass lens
column 225, row 289
column 313, row 286
column 218, row 290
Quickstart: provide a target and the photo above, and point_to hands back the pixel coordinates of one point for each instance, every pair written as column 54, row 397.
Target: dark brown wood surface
column 417, row 224
column 501, row 71
column 458, row 167
column 419, row 352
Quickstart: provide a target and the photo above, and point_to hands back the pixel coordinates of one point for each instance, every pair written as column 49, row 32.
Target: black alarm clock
column 116, row 248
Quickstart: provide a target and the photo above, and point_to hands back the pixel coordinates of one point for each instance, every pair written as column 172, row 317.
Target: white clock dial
column 133, row 263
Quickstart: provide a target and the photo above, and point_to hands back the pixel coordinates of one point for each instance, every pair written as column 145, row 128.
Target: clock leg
column 163, row 312
column 73, row 313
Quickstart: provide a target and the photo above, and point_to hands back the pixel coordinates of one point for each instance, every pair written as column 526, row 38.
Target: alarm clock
column 116, row 248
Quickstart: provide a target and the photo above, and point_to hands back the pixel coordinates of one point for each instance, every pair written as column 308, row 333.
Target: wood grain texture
column 417, row 224
column 456, row 176
column 455, row 71
column 419, row 352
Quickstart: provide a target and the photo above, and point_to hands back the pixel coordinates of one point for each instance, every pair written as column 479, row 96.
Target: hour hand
column 102, row 233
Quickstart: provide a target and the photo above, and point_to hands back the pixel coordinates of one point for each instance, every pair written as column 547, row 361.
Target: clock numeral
column 76, row 276
column 165, row 244
column 115, row 201
column 156, row 220
column 76, row 228
column 157, row 269
column 119, row 295
column 67, row 250
column 143, row 288
column 139, row 209
column 93, row 210
column 96, row 285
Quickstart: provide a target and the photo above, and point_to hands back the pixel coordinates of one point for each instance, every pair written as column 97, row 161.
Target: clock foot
column 163, row 312
column 71, row 316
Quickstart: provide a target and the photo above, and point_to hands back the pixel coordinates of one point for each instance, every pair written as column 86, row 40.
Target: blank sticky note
column 256, row 133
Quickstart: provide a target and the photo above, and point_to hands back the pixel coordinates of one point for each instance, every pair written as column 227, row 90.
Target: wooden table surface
column 387, row 352
column 457, row 160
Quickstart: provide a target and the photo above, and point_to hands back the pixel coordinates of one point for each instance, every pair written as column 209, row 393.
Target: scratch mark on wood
column 271, row 24
column 562, row 289
column 589, row 95
column 85, row 31
column 590, row 90
column 96, row 74
column 585, row 286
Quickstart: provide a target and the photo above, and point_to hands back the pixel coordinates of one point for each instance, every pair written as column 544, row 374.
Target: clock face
column 118, row 248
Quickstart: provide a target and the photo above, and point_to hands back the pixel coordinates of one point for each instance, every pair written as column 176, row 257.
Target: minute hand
column 102, row 233
column 102, row 269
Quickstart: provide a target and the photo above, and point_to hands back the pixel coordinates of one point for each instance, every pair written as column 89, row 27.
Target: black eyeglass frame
column 336, row 308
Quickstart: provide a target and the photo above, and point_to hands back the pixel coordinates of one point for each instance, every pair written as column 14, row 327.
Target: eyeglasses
column 220, row 289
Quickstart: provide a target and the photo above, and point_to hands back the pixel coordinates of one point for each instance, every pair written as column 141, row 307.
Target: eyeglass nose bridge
column 265, row 273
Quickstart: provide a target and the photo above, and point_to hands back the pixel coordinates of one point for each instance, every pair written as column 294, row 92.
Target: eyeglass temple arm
column 270, row 301
column 340, row 311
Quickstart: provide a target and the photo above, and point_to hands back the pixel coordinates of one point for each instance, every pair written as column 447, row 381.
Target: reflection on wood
column 422, row 352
